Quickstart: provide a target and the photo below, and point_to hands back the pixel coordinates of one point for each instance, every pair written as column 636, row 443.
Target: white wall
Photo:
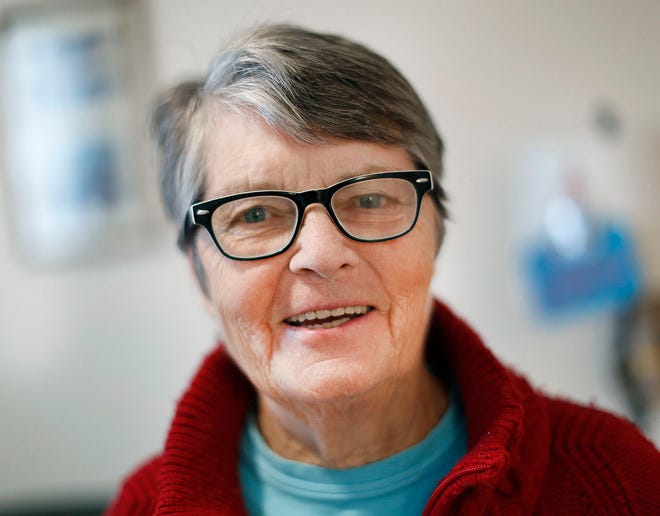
column 92, row 359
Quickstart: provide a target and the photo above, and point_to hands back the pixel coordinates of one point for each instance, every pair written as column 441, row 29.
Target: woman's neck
column 349, row 433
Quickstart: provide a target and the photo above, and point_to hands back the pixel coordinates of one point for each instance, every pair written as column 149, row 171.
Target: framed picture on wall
column 70, row 154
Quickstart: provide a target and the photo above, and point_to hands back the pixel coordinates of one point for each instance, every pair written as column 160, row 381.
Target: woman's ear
column 197, row 269
column 440, row 234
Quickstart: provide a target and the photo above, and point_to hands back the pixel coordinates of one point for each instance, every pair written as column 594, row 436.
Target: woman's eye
column 256, row 214
column 371, row 201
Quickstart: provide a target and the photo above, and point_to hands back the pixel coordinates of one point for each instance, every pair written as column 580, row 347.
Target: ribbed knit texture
column 528, row 454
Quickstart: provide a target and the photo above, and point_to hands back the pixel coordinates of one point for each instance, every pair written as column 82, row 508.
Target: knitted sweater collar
column 507, row 432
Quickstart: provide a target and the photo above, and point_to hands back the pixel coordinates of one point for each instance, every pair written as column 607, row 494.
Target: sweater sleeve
column 139, row 493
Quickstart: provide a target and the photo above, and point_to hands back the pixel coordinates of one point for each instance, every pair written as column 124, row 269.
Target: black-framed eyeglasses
column 260, row 224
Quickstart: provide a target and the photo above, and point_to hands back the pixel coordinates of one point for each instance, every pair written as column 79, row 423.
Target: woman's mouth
column 325, row 319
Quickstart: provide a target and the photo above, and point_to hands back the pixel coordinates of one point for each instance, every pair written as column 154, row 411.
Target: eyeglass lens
column 255, row 226
column 373, row 209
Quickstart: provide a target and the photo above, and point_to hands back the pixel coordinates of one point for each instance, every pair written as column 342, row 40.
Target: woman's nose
column 320, row 247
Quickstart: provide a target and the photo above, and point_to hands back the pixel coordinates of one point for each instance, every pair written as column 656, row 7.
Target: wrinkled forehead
column 244, row 153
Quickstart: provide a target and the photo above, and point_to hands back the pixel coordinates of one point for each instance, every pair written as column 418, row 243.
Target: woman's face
column 254, row 301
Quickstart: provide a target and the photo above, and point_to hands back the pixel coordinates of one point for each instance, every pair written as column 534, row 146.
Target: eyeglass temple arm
column 440, row 198
column 439, row 195
column 186, row 232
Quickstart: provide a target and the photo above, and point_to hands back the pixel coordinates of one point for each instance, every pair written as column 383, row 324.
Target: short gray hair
column 313, row 87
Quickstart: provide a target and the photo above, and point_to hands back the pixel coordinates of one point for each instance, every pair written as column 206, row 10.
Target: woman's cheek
column 247, row 333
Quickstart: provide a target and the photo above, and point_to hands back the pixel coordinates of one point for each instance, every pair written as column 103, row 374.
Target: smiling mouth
column 325, row 319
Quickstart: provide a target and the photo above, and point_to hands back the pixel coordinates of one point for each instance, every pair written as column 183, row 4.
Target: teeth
column 331, row 324
column 325, row 314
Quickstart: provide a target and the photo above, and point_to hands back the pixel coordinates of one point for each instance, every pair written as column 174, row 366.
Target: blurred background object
column 99, row 337
column 637, row 342
column 579, row 255
column 69, row 138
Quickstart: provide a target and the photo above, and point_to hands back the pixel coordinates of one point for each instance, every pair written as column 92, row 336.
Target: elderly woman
column 305, row 176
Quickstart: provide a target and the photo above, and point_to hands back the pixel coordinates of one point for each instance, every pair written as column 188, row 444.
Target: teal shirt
column 398, row 485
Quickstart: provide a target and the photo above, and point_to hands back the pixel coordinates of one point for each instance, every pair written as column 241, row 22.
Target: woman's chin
column 327, row 382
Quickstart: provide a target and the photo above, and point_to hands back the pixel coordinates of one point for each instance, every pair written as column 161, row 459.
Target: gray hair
column 312, row 87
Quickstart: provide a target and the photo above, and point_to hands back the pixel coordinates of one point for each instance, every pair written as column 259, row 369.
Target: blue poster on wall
column 576, row 252
column 605, row 274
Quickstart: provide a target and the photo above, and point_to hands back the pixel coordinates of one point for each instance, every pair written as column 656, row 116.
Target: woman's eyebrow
column 245, row 185
column 253, row 186
column 370, row 169
column 268, row 184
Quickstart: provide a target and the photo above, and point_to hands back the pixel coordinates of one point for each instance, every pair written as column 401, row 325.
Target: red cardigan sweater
column 528, row 453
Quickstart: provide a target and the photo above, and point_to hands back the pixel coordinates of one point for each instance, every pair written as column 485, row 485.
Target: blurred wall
column 93, row 358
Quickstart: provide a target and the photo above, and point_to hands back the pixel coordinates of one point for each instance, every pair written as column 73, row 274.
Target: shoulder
column 139, row 492
column 575, row 425
column 602, row 458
